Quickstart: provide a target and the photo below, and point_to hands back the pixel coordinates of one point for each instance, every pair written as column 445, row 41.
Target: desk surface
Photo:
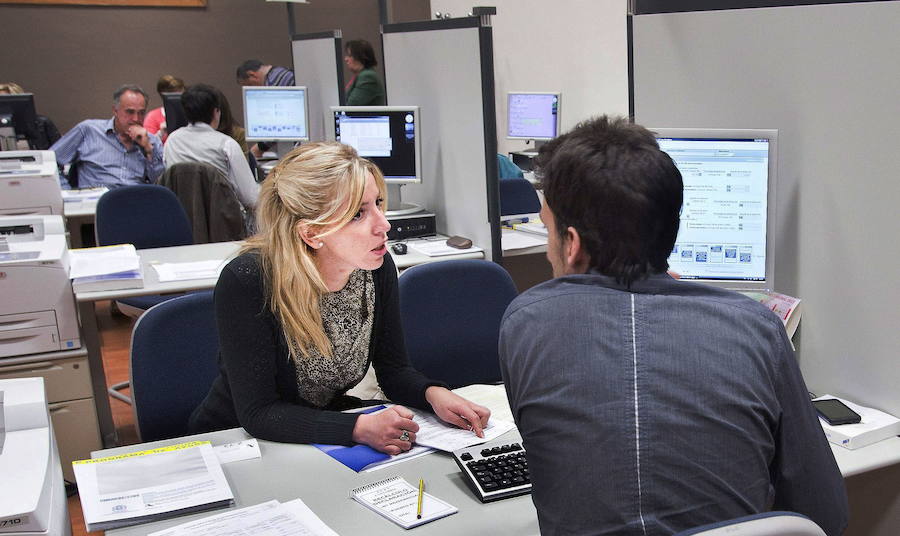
column 286, row 472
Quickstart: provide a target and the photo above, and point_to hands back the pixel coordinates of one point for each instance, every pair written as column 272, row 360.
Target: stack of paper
column 874, row 426
column 84, row 198
column 267, row 519
column 105, row 268
column 149, row 485
column 438, row 248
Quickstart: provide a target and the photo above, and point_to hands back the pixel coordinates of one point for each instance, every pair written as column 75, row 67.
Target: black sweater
column 257, row 383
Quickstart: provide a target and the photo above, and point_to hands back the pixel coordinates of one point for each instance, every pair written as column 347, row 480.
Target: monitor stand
column 396, row 207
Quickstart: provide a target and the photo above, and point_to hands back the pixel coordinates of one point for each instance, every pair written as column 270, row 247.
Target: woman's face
column 358, row 244
column 352, row 63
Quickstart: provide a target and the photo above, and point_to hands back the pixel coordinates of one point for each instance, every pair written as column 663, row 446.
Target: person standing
column 365, row 87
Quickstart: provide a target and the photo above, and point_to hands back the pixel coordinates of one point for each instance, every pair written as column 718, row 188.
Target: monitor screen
column 727, row 218
column 276, row 113
column 175, row 118
column 17, row 112
column 386, row 135
column 532, row 116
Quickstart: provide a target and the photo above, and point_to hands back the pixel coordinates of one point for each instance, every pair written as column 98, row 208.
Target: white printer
column 33, row 498
column 29, row 183
column 37, row 312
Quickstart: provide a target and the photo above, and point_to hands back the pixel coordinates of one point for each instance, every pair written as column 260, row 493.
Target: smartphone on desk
column 836, row 412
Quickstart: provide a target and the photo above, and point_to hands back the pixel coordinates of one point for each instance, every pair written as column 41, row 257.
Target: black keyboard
column 495, row 470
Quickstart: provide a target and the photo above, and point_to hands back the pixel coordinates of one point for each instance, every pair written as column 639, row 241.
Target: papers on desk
column 186, row 271
column 270, row 518
column 133, row 488
column 85, row 197
column 535, row 226
column 512, row 239
column 105, row 268
column 439, row 248
column 786, row 307
column 873, row 427
column 397, row 500
column 439, row 435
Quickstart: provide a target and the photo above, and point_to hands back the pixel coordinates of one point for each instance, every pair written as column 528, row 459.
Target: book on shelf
column 149, row 485
column 397, row 500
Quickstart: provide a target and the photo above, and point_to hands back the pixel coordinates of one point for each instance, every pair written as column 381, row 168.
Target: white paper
column 186, row 271
column 103, row 260
column 437, row 248
column 437, row 434
column 493, row 397
column 397, row 500
column 267, row 519
column 512, row 240
column 240, row 450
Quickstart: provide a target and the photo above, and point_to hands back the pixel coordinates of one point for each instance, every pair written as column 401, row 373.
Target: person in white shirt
column 199, row 141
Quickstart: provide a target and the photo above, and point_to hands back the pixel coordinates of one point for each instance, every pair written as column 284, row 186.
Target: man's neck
column 264, row 71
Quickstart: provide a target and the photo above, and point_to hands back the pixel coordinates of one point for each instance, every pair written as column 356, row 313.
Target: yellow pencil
column 421, row 489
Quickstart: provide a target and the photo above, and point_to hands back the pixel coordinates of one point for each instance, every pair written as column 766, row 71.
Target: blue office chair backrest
column 776, row 523
column 174, row 360
column 450, row 312
column 146, row 215
column 517, row 196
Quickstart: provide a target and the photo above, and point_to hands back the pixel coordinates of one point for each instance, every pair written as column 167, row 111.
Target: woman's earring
column 321, row 244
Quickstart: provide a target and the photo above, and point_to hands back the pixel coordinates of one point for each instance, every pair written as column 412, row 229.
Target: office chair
column 506, row 169
column 765, row 524
column 517, row 196
column 450, row 312
column 148, row 216
column 209, row 200
column 174, row 349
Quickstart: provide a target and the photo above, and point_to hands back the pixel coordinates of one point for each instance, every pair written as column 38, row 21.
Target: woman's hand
column 383, row 430
column 456, row 410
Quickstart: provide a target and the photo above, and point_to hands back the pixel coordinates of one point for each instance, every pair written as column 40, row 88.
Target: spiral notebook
column 397, row 500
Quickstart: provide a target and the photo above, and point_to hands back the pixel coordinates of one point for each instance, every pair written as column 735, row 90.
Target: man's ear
column 306, row 233
column 576, row 257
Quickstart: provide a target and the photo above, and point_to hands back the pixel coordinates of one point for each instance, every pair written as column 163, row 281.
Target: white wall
column 576, row 47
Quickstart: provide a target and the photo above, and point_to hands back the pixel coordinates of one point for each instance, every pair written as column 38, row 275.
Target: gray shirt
column 662, row 408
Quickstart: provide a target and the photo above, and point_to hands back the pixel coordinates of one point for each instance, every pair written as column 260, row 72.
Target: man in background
column 113, row 152
column 649, row 405
column 255, row 73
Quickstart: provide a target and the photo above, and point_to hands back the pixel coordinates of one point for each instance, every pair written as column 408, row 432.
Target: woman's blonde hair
column 318, row 187
column 11, row 88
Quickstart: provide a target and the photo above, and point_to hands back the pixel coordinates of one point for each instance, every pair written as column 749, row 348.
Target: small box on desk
column 411, row 226
column 874, row 426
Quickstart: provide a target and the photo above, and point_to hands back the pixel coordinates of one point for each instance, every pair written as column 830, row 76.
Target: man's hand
column 456, row 410
column 139, row 135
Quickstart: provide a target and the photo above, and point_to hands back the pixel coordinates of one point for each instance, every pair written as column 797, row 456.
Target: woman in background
column 365, row 88
column 155, row 120
column 227, row 124
column 45, row 132
column 309, row 305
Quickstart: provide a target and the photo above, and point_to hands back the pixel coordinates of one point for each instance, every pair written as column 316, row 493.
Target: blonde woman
column 307, row 307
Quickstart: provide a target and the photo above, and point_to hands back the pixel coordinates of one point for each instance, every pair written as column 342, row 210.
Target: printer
column 29, row 183
column 33, row 497
column 37, row 312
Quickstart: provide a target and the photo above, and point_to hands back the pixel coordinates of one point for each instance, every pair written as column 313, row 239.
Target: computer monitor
column 728, row 216
column 276, row 113
column 175, row 117
column 389, row 136
column 532, row 116
column 17, row 120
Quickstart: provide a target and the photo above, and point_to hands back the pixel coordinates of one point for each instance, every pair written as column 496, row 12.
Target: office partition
column 825, row 76
column 446, row 68
column 318, row 66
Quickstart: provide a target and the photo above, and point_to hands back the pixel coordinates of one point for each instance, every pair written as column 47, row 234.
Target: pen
column 421, row 489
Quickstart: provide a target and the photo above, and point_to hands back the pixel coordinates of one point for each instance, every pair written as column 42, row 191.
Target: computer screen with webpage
column 727, row 217
column 389, row 136
column 532, row 116
column 276, row 113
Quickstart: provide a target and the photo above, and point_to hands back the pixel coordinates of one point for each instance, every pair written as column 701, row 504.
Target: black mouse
column 399, row 248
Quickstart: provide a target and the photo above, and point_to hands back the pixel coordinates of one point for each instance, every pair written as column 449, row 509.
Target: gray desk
column 90, row 335
column 286, row 471
column 77, row 215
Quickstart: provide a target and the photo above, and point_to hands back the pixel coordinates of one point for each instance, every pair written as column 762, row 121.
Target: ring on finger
column 404, row 435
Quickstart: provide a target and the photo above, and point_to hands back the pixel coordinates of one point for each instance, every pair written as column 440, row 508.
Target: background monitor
column 532, row 116
column 17, row 120
column 276, row 113
column 175, row 117
column 389, row 136
column 728, row 215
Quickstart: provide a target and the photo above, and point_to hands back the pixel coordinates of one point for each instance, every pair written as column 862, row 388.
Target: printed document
column 186, row 271
column 103, row 260
column 270, row 518
column 437, row 434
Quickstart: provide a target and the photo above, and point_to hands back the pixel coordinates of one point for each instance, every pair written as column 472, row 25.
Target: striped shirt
column 279, row 76
column 103, row 160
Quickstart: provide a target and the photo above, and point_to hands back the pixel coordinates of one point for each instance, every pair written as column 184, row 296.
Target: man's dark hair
column 609, row 180
column 362, row 51
column 200, row 102
column 134, row 88
column 246, row 67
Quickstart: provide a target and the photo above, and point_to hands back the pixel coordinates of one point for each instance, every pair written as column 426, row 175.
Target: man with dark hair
column 113, row 152
column 199, row 141
column 256, row 73
column 648, row 405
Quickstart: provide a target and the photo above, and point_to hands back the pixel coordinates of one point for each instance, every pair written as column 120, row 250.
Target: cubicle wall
column 826, row 77
column 446, row 68
column 318, row 64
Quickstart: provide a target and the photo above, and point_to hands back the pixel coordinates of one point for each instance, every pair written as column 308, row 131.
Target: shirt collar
column 110, row 125
column 202, row 126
